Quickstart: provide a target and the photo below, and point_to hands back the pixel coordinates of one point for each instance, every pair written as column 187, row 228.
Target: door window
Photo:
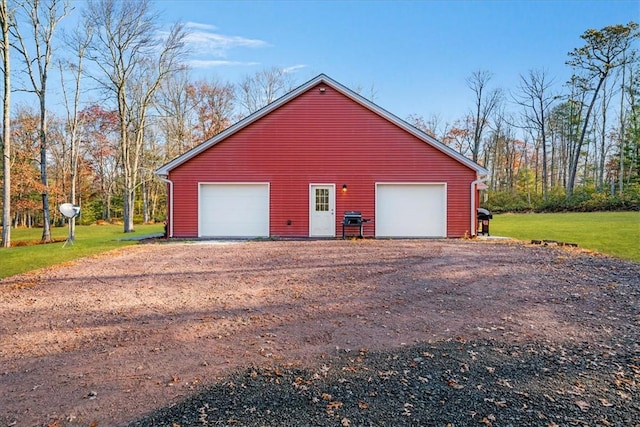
column 322, row 200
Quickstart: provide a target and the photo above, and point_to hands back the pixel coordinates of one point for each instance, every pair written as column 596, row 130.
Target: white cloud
column 293, row 68
column 204, row 40
column 199, row 26
column 208, row 63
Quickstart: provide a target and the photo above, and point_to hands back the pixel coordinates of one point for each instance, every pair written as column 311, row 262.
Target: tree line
column 131, row 105
column 573, row 149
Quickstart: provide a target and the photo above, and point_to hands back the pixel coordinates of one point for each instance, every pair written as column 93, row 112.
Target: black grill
column 353, row 219
column 483, row 221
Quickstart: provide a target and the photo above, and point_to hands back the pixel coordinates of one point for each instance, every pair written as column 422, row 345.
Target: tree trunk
column 6, row 129
column 46, row 214
column 576, row 152
column 106, row 207
column 552, row 174
column 603, row 139
column 543, row 135
column 73, row 177
column 129, row 192
column 622, row 136
column 128, row 211
column 145, row 203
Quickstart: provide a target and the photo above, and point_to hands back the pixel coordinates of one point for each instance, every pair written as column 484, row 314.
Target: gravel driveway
column 345, row 333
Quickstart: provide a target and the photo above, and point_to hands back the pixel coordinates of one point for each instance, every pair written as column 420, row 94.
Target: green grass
column 90, row 240
column 611, row 233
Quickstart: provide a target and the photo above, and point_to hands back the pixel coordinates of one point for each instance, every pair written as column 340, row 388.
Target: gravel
column 454, row 382
column 345, row 333
column 446, row 383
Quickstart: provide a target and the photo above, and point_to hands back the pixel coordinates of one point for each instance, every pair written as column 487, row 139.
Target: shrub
column 583, row 199
column 506, row 201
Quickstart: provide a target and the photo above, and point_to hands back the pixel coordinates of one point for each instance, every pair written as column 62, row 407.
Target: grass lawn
column 612, row 233
column 90, row 240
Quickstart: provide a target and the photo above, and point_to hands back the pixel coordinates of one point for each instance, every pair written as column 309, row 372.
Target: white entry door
column 322, row 208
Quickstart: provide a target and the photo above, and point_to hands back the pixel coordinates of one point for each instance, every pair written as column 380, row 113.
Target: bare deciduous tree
column 42, row 18
column 5, row 19
column 134, row 59
column 370, row 93
column 534, row 96
column 486, row 101
column 432, row 126
column 78, row 42
column 263, row 87
column 176, row 124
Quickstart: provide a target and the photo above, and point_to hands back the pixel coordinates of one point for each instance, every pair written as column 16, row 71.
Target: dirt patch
column 109, row 339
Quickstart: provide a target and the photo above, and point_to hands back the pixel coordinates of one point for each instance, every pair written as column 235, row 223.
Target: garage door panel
column 411, row 210
column 234, row 210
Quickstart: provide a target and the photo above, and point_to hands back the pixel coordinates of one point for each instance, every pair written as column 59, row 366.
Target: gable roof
column 320, row 79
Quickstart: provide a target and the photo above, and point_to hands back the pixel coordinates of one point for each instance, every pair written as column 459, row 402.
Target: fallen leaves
column 605, row 402
column 202, row 414
column 454, row 384
column 406, row 409
column 510, row 372
column 504, row 383
column 498, row 403
column 385, row 375
column 584, row 406
column 334, row 405
column 488, row 420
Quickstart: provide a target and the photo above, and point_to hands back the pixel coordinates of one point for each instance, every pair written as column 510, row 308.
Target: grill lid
column 352, row 214
column 484, row 214
column 352, row 218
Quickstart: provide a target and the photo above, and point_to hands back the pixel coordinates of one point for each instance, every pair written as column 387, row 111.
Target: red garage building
column 294, row 167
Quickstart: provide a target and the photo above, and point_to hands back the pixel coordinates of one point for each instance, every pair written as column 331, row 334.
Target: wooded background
column 578, row 149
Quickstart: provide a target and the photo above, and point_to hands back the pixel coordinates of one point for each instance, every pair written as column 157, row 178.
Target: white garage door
column 234, row 210
column 411, row 210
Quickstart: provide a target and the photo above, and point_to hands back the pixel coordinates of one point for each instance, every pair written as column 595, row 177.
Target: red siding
column 320, row 138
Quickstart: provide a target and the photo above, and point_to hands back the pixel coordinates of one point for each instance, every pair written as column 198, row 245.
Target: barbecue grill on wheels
column 353, row 219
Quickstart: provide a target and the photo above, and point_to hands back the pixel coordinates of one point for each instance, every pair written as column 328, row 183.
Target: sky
column 414, row 56
column 409, row 57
